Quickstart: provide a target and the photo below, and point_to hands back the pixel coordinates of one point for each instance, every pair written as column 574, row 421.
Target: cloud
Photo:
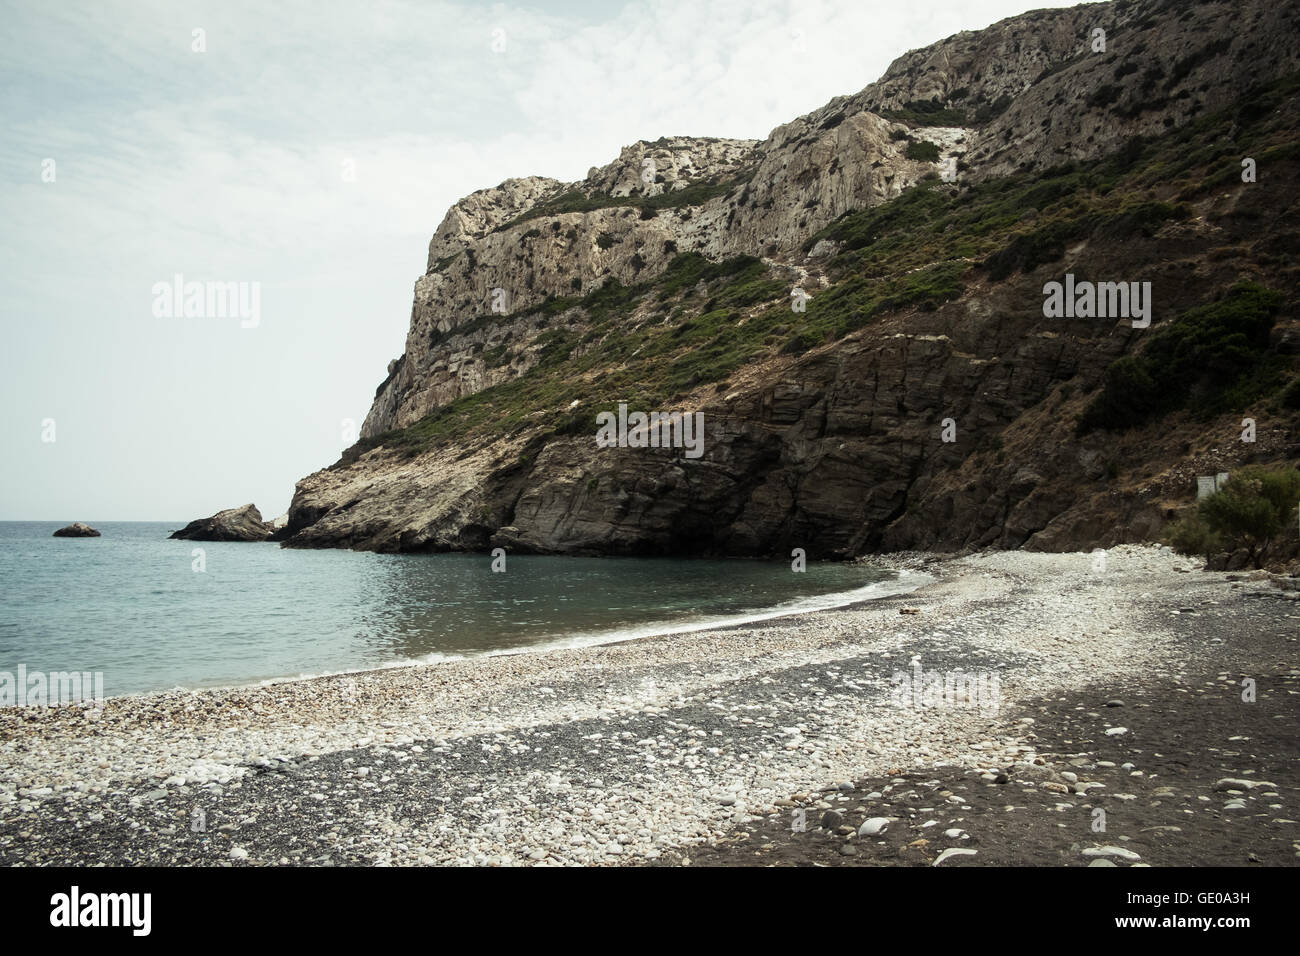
column 228, row 165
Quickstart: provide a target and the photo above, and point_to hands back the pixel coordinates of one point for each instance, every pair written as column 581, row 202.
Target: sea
column 149, row 613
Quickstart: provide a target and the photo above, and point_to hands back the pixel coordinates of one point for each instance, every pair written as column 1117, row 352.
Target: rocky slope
column 920, row 398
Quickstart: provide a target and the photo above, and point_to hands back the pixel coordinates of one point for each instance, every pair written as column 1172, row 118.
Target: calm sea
column 132, row 605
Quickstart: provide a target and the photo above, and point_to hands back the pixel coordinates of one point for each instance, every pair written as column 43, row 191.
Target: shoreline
column 679, row 623
column 635, row 750
column 606, row 638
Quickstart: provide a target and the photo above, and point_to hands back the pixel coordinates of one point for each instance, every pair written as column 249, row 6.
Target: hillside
column 664, row 280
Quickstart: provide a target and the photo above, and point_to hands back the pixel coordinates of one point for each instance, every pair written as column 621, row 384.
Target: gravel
column 597, row 755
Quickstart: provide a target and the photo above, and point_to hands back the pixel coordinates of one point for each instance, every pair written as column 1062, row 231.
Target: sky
column 306, row 152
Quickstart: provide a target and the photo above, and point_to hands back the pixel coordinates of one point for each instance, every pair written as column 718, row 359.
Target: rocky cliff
column 855, row 304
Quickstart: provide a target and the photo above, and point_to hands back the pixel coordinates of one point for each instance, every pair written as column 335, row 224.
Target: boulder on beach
column 233, row 524
column 77, row 530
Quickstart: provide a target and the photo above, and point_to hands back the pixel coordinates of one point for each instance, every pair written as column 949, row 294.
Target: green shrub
column 445, row 261
column 1104, row 95
column 689, row 269
column 1205, row 361
column 1129, row 395
column 923, row 150
column 1029, row 250
column 926, row 113
column 1255, row 507
column 577, row 201
column 1191, row 535
column 991, row 111
column 1046, row 244
column 801, row 342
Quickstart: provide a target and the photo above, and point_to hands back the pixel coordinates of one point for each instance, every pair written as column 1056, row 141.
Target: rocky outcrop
column 233, row 524
column 1027, row 93
column 839, row 446
column 77, row 530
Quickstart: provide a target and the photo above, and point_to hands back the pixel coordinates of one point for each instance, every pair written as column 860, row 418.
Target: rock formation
column 77, row 530
column 233, row 524
column 920, row 398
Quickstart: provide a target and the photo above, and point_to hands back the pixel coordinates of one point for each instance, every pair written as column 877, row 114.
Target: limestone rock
column 233, row 524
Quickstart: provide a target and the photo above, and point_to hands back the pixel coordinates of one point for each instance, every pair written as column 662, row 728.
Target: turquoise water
column 131, row 605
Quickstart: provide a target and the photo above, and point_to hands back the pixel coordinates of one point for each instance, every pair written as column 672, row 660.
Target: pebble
column 952, row 851
column 1119, row 851
column 486, row 718
column 1232, row 783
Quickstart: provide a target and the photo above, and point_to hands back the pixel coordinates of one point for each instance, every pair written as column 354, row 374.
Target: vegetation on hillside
column 1211, row 359
column 696, row 194
column 1255, row 512
column 698, row 322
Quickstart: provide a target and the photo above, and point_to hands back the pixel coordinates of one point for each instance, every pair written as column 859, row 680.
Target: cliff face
column 920, row 398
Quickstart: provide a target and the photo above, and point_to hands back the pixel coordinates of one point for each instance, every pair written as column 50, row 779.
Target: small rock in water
column 77, row 529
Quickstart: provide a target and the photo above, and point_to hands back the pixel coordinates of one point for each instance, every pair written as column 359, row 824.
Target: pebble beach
column 780, row 742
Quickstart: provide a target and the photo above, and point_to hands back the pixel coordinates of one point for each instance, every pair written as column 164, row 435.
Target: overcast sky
column 313, row 148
